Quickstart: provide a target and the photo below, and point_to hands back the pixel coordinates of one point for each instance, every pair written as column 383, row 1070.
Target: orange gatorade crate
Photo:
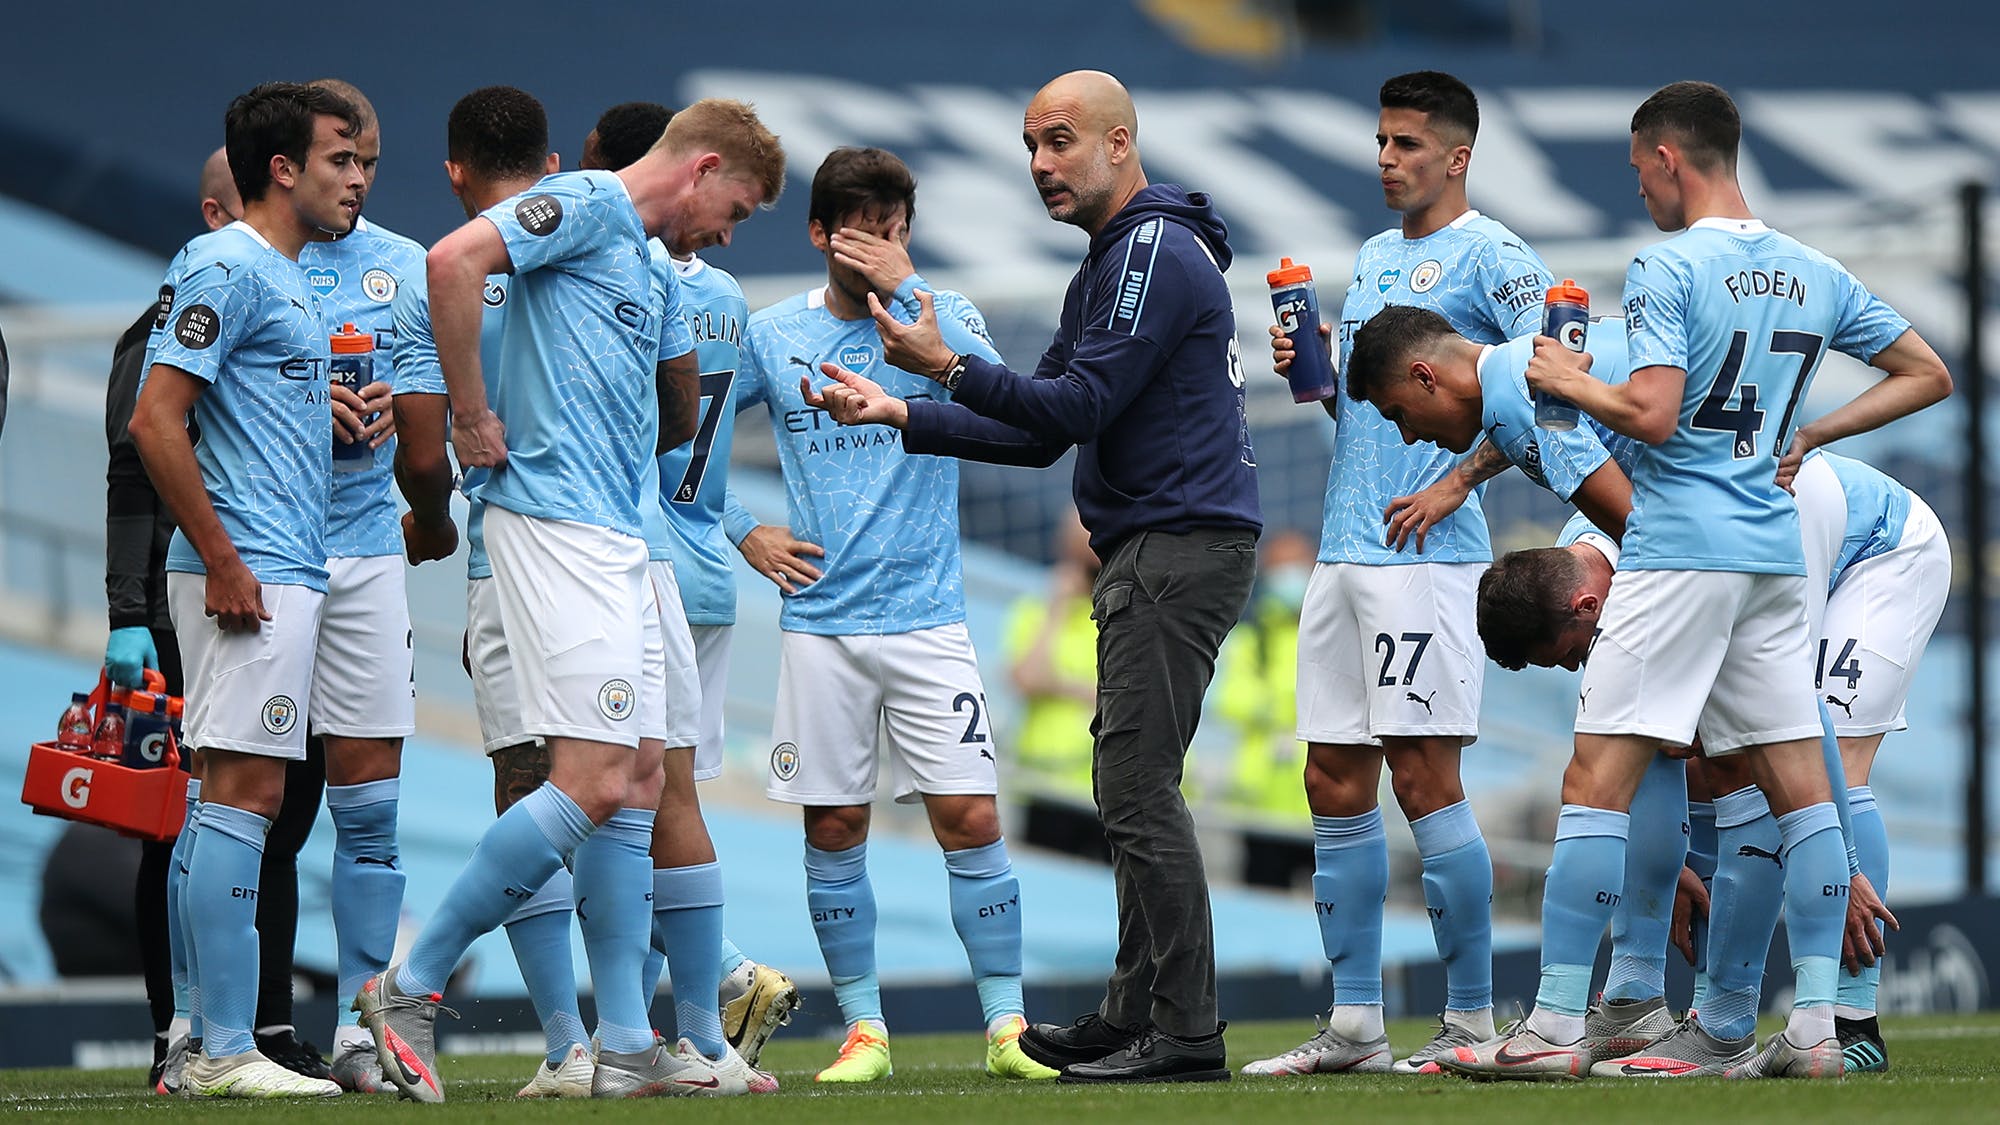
column 147, row 803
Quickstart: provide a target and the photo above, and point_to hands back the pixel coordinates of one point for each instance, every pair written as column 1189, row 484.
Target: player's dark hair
column 861, row 181
column 1385, row 344
column 1524, row 602
column 628, row 130
column 276, row 119
column 1448, row 102
column 498, row 133
column 1700, row 117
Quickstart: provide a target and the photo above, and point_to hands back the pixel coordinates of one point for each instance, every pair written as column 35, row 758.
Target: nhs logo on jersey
column 856, row 357
column 1388, row 280
column 324, row 279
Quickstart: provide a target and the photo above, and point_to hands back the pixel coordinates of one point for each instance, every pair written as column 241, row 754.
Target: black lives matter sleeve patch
column 539, row 214
column 197, row 327
column 165, row 307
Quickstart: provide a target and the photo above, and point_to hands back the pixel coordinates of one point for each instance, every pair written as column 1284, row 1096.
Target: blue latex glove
column 128, row 654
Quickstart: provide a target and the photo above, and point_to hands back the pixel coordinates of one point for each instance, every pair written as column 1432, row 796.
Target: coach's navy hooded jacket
column 1143, row 376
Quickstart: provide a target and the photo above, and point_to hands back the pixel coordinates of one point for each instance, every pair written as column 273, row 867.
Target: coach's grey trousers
column 1163, row 603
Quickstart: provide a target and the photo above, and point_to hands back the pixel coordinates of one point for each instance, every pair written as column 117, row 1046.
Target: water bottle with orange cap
column 353, row 367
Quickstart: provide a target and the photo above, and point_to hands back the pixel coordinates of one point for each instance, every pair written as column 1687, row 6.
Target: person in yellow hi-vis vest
column 1051, row 647
column 1257, row 685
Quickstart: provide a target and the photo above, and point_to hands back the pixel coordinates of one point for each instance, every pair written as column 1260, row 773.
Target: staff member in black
column 1144, row 379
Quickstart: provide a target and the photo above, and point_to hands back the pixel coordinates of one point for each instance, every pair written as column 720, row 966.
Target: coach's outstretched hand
column 854, row 400
column 1863, row 943
column 773, row 552
column 917, row 348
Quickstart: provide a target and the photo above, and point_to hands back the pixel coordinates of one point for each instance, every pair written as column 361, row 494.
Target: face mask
column 1287, row 586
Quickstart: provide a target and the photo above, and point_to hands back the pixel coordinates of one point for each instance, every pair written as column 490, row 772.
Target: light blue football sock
column 614, row 907
column 1701, row 860
column 518, row 853
column 222, row 905
column 1585, row 880
column 1815, row 901
column 1458, row 891
column 1655, row 852
column 367, row 883
column 539, row 931
column 1836, row 774
column 177, row 943
column 687, row 919
column 1871, row 842
column 842, row 901
column 1743, row 911
column 1350, row 880
column 732, row 957
column 986, row 912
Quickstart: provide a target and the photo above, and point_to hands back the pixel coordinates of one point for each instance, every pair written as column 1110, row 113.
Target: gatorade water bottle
column 1297, row 306
column 175, row 706
column 145, row 731
column 108, row 741
column 73, row 729
column 353, row 367
column 1566, row 320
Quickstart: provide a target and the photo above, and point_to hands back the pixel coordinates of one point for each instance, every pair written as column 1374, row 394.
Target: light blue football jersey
column 676, row 340
column 357, row 278
column 1558, row 460
column 1748, row 313
column 418, row 373
column 694, row 477
column 1485, row 280
column 241, row 317
column 1877, row 508
column 1579, row 528
column 577, row 354
column 887, row 519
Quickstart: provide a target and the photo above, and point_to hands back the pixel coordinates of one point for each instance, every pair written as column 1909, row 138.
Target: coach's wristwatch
column 953, row 373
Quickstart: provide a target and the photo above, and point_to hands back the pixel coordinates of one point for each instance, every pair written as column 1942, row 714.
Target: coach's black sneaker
column 1090, row 1038
column 287, row 1050
column 1156, row 1056
column 1862, row 1050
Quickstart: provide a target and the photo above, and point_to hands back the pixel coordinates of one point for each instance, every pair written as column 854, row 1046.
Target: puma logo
column 1413, row 697
column 1846, row 705
column 1583, row 699
column 226, row 269
column 580, row 915
column 389, row 863
column 798, row 361
column 988, row 756
column 295, row 304
column 1748, row 851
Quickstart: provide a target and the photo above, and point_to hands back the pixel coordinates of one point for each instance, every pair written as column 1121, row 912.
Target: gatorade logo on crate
column 76, row 787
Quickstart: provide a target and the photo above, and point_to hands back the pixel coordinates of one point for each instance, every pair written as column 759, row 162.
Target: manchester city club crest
column 785, row 761
column 379, row 286
column 280, row 714
column 1425, row 277
column 615, row 700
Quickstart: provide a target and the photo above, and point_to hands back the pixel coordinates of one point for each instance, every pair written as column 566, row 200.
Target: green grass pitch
column 1946, row 1069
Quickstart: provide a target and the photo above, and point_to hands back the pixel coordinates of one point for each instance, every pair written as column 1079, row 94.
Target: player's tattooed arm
column 679, row 385
column 1416, row 514
column 517, row 772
